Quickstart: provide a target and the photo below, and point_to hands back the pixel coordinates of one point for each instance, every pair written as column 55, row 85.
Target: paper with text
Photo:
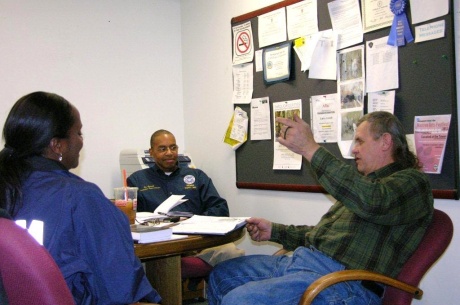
column 260, row 119
column 346, row 21
column 430, row 133
column 381, row 60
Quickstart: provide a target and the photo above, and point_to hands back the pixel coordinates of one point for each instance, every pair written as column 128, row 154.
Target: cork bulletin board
column 427, row 86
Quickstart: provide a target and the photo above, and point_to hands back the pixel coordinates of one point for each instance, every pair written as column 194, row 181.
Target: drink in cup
column 126, row 200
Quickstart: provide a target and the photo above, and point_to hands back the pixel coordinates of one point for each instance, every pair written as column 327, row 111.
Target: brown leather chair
column 403, row 289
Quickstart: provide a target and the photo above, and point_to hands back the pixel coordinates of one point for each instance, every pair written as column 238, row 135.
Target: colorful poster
column 430, row 134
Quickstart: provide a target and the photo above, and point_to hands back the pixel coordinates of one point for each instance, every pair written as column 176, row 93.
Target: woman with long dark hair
column 88, row 236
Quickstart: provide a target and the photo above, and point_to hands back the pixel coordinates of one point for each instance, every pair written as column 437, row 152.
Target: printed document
column 382, row 65
column 260, row 119
column 302, row 19
column 284, row 158
column 324, row 111
column 346, row 21
column 272, row 27
column 243, row 76
column 430, row 134
column 376, row 15
column 381, row 101
column 237, row 130
column 277, row 63
column 430, row 31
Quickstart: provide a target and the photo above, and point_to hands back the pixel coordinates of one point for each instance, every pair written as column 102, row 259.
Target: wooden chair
column 403, row 289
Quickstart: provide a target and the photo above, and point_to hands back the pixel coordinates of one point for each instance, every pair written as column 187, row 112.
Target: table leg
column 164, row 275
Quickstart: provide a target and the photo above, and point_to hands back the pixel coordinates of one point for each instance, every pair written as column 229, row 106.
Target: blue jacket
column 155, row 187
column 88, row 237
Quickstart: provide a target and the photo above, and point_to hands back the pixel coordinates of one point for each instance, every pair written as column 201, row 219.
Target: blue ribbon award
column 400, row 29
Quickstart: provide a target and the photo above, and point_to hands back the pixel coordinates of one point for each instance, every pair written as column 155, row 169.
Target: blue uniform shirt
column 88, row 237
column 155, row 187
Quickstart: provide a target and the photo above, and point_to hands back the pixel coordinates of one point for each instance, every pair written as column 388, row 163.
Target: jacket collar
column 39, row 163
column 161, row 172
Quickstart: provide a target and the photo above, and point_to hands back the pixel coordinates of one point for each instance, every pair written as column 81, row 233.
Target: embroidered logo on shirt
column 149, row 187
column 189, row 179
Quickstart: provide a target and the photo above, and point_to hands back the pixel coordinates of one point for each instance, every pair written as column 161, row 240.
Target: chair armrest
column 281, row 252
column 353, row 275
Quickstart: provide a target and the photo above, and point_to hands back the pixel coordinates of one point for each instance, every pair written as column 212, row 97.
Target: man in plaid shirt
column 382, row 211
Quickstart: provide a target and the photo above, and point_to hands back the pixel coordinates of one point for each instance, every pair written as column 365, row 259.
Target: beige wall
column 119, row 62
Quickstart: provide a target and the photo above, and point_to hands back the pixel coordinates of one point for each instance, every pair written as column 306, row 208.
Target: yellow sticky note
column 299, row 42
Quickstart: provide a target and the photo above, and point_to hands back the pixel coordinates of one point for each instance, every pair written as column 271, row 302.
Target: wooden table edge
column 178, row 246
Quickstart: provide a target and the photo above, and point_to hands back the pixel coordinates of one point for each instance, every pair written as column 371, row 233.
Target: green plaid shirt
column 377, row 221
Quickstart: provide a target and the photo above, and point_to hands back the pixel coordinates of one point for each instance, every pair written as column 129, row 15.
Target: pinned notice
column 243, row 49
column 430, row 133
column 237, row 131
column 430, row 31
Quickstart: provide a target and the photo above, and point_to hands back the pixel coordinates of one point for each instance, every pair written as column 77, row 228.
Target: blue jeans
column 281, row 280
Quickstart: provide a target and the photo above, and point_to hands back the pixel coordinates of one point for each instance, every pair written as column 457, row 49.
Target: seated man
column 167, row 178
column 381, row 214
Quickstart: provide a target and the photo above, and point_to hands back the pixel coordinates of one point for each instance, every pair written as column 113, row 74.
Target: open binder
column 212, row 225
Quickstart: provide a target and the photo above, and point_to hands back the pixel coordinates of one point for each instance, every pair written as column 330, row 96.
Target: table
column 162, row 260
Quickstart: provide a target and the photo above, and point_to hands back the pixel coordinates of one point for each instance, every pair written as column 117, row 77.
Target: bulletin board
column 427, row 86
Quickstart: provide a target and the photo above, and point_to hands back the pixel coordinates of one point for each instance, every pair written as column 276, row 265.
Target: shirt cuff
column 277, row 228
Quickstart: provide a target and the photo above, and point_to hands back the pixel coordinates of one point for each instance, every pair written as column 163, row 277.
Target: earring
column 60, row 157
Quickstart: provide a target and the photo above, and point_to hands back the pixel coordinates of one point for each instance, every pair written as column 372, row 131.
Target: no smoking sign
column 243, row 43
column 243, row 51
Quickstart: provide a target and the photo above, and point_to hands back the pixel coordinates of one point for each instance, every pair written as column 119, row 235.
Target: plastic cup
column 126, row 200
